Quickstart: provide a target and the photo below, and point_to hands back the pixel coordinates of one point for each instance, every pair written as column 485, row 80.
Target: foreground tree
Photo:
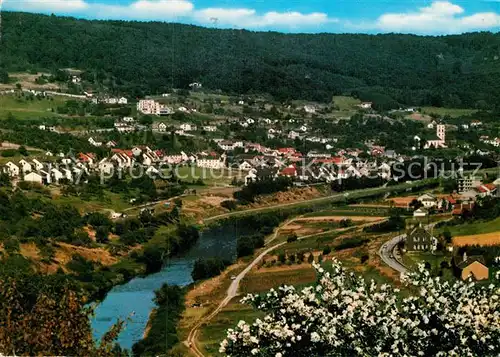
column 345, row 316
column 43, row 316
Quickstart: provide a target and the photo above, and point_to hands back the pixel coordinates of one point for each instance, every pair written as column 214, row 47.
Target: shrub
column 207, row 268
column 351, row 243
column 229, row 204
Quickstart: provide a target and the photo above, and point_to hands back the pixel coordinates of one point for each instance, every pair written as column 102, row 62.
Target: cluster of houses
column 152, row 107
column 465, row 267
column 35, row 171
column 491, row 141
column 255, row 161
column 469, row 190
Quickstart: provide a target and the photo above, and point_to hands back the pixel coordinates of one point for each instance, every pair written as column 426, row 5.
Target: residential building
column 420, row 213
column 366, row 105
column 25, row 166
column 227, row 145
column 261, row 174
column 293, row 135
column 188, row 127
column 419, row 240
column 473, row 267
column 123, row 127
column 310, row 109
column 148, row 106
column 488, row 189
column 467, row 183
column 160, row 127
column 33, row 177
column 56, row 175
column 164, row 110
column 211, row 162
column 428, row 200
column 93, row 142
column 12, row 169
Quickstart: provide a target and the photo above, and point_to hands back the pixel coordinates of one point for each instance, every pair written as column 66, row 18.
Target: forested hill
column 459, row 71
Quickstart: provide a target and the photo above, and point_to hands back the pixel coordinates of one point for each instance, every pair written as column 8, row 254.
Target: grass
column 111, row 201
column 209, row 176
column 452, row 112
column 346, row 103
column 263, row 281
column 212, row 334
column 18, row 157
column 473, row 228
column 22, row 108
column 351, row 211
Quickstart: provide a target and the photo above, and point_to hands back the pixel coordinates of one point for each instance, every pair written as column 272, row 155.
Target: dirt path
column 231, row 293
column 233, row 288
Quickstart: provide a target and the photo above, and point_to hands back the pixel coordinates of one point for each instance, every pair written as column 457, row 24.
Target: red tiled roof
column 456, row 212
column 286, row 150
column 121, row 151
column 490, row 186
column 451, row 200
column 289, row 171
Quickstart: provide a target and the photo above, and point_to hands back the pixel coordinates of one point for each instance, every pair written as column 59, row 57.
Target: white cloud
column 250, row 19
column 140, row 9
column 46, row 5
column 163, row 10
column 439, row 17
column 143, row 10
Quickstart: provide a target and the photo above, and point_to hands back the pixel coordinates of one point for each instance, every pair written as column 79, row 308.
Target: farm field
column 351, row 211
column 23, row 108
column 452, row 112
column 472, row 229
column 486, row 239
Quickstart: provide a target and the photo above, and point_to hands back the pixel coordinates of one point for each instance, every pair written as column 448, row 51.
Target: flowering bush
column 345, row 316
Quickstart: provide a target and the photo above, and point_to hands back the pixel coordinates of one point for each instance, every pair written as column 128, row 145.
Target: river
column 135, row 298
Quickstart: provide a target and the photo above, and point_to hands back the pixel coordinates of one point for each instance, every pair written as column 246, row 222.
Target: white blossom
column 345, row 316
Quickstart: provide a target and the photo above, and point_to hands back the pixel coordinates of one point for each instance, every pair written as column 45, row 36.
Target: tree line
column 139, row 58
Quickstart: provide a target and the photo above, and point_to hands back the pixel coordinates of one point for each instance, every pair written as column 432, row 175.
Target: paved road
column 338, row 196
column 386, row 252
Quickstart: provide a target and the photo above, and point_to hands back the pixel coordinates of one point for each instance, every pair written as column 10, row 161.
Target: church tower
column 441, row 132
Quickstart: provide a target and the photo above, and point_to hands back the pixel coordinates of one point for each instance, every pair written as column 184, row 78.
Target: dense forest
column 139, row 58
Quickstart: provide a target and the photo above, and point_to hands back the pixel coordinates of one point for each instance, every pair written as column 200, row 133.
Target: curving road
column 387, row 251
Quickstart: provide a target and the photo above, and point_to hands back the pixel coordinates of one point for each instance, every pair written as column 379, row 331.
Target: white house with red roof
column 290, row 171
column 488, row 189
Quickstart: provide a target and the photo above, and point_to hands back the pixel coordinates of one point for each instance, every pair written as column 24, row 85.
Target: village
column 199, row 150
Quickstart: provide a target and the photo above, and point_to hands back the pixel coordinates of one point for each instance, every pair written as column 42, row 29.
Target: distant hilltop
column 137, row 57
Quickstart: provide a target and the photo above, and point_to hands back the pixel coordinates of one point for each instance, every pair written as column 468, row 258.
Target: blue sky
column 337, row 16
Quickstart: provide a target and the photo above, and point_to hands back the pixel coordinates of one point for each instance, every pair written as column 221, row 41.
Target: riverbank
column 219, row 240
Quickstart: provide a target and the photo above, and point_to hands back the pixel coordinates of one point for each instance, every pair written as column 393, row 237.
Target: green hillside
column 461, row 71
